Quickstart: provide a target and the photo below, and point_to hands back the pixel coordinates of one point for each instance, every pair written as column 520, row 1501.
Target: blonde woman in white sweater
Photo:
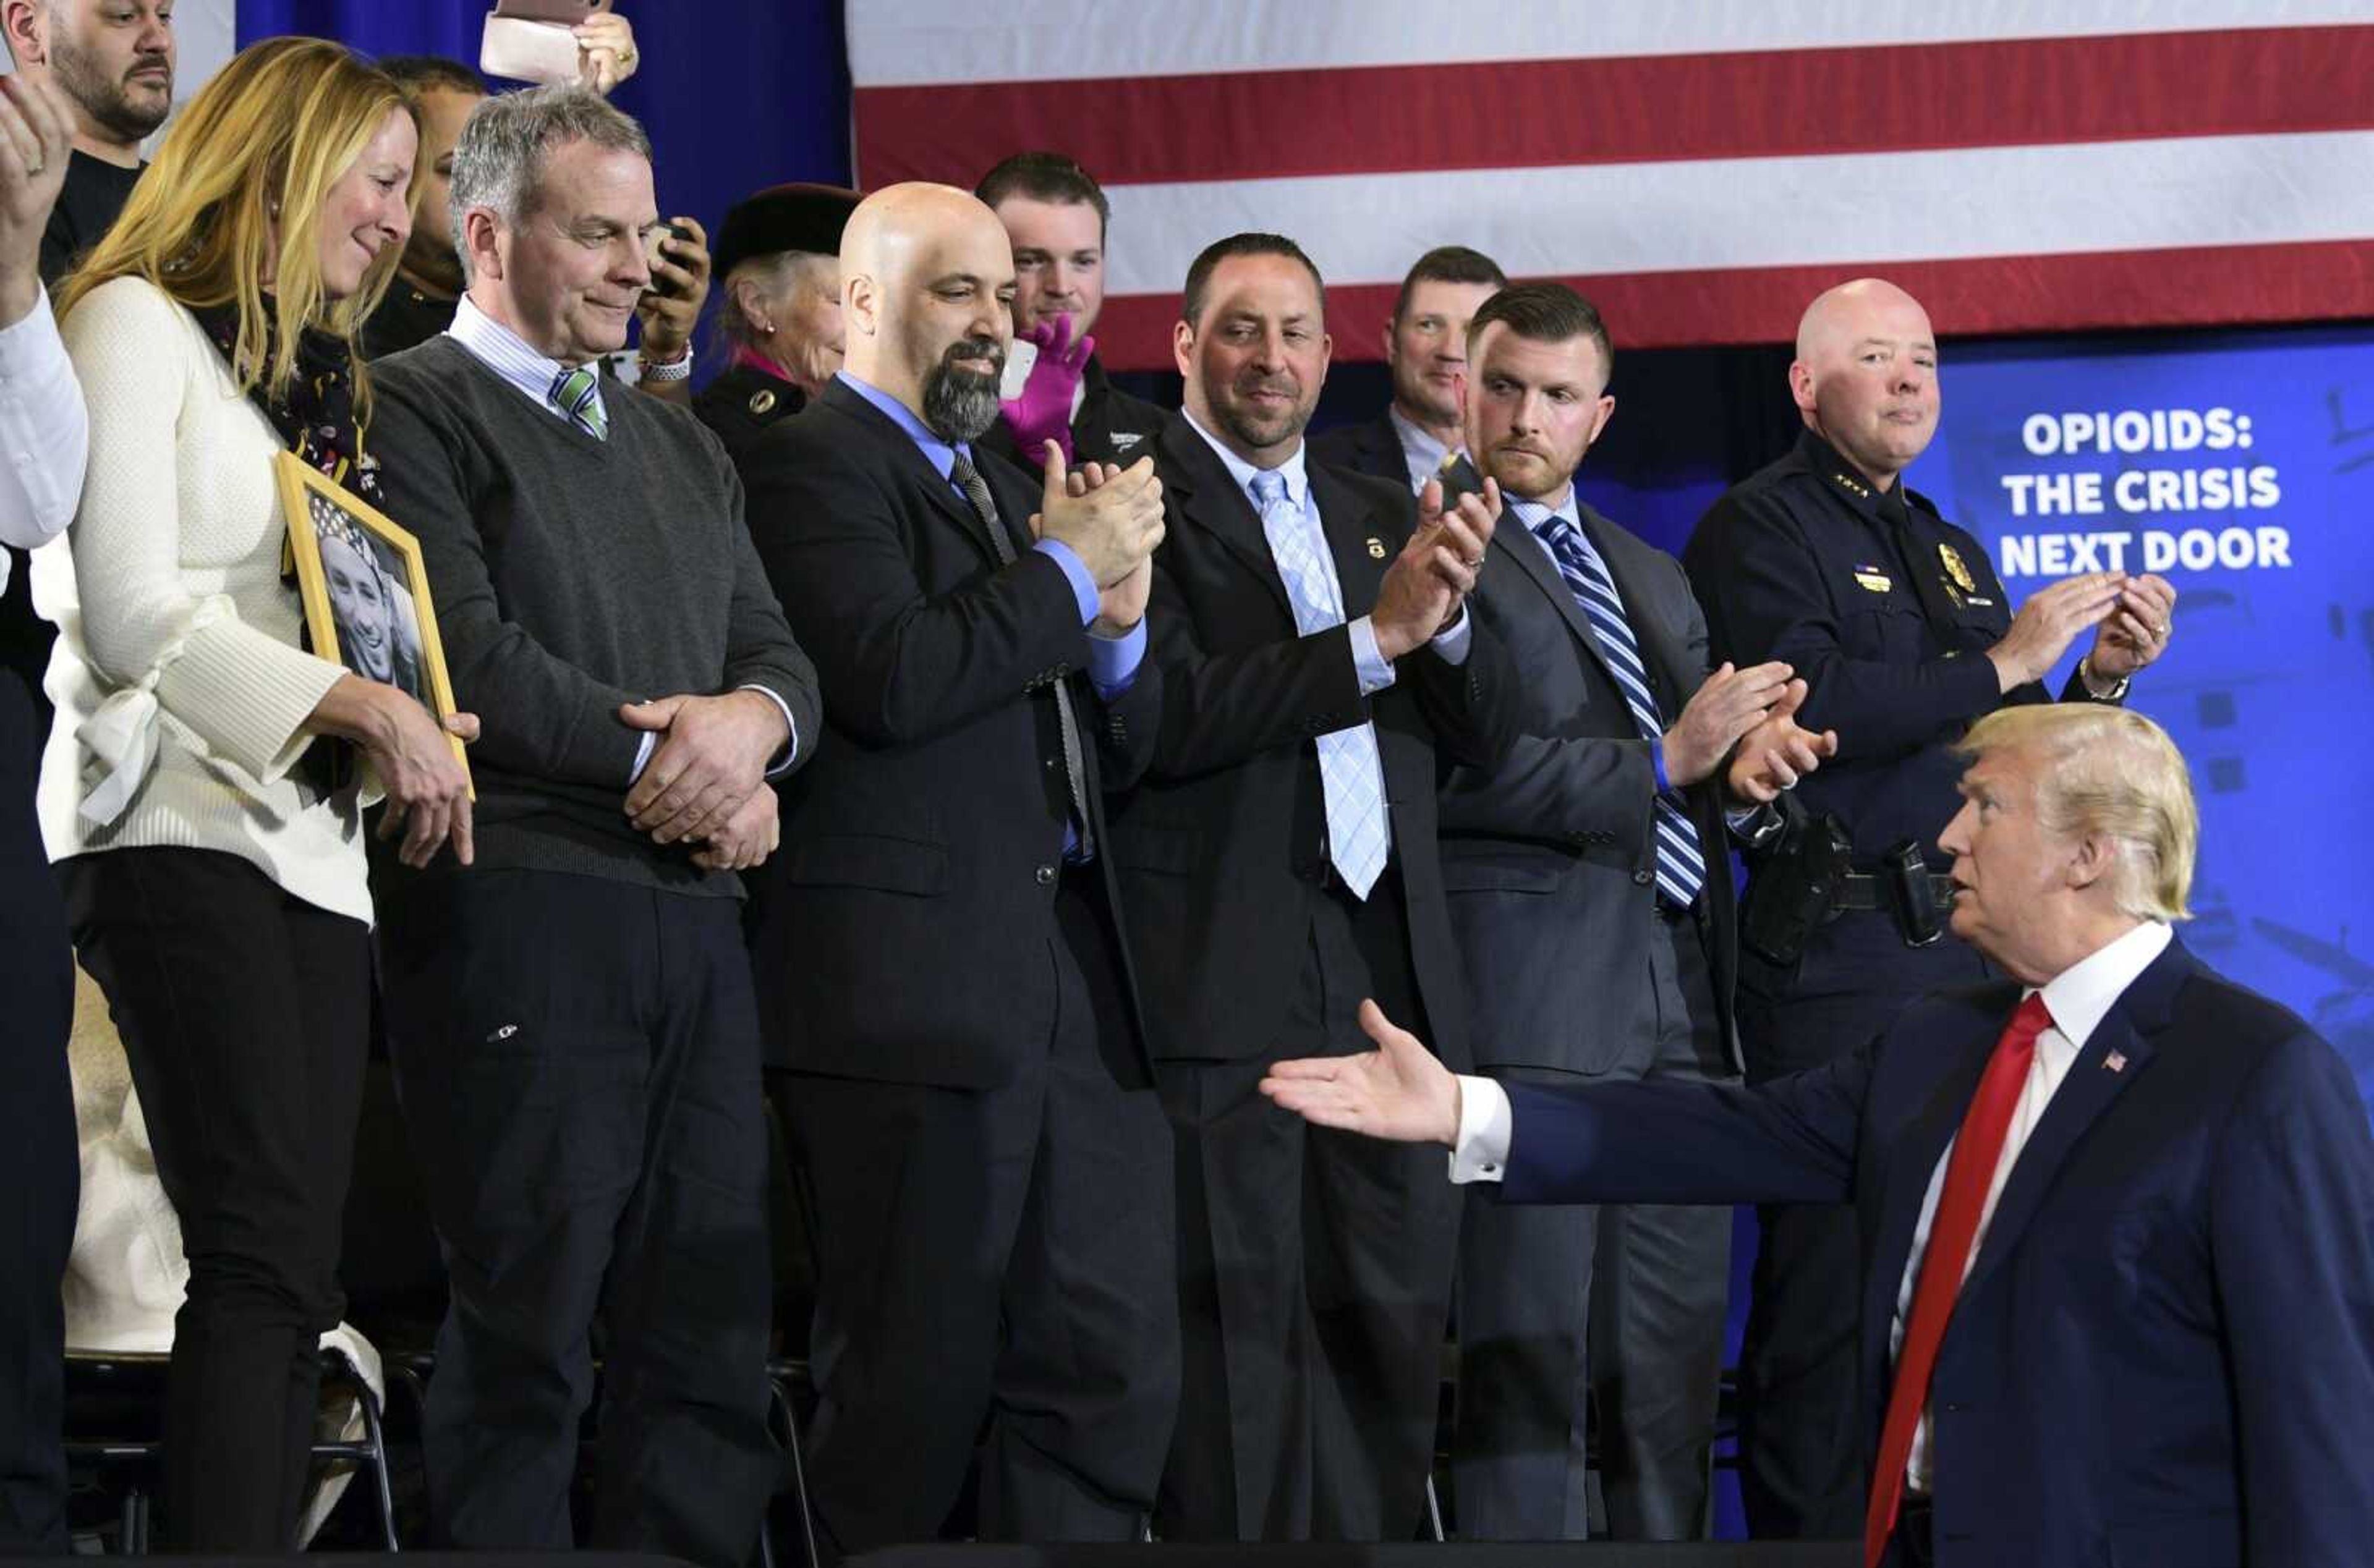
column 200, row 794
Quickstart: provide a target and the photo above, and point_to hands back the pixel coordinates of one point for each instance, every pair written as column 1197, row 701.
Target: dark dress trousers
column 2163, row 1351
column 572, row 1019
column 1581, row 972
column 1887, row 611
column 1112, row 425
column 952, row 989
column 38, row 1164
column 1315, row 1268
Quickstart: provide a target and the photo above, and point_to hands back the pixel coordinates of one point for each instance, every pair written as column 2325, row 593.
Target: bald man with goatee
column 1829, row 562
column 940, row 949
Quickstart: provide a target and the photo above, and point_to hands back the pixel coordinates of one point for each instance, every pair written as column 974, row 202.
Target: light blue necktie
column 1350, row 772
column 578, row 394
column 1681, row 868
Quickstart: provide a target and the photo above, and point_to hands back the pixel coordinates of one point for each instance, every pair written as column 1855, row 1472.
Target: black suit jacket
column 1374, row 446
column 2163, row 1350
column 1550, row 858
column 1223, row 845
column 904, row 923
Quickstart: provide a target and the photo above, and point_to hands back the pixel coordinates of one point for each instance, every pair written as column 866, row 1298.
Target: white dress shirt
column 511, row 356
column 2078, row 999
column 1376, row 671
column 44, row 432
column 1420, row 451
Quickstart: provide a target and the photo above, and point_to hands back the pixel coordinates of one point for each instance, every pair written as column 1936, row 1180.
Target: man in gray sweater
column 572, row 1020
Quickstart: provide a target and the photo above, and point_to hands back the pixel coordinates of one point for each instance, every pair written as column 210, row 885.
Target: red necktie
column 1969, row 1175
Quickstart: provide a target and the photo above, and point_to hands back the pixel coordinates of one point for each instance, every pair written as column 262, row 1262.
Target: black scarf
column 316, row 421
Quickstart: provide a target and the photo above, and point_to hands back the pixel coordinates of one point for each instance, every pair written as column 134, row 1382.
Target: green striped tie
column 578, row 394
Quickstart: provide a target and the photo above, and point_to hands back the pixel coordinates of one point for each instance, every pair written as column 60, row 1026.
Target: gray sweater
column 572, row 575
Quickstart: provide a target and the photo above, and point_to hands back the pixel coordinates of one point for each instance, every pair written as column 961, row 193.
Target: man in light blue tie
column 1591, row 901
column 1278, row 862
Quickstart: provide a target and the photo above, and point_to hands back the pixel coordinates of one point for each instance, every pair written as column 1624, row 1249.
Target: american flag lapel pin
column 2115, row 1061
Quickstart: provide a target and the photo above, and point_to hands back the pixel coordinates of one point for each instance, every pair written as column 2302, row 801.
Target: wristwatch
column 2093, row 687
column 655, row 372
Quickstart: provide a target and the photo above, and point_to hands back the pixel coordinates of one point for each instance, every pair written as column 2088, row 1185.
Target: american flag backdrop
column 1699, row 167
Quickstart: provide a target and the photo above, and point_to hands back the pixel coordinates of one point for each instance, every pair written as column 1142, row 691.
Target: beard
column 108, row 100
column 1264, row 430
column 960, row 405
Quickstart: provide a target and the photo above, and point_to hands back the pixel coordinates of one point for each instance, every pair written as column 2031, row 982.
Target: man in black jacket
column 941, row 935
column 1279, row 863
column 1418, row 438
column 1056, row 387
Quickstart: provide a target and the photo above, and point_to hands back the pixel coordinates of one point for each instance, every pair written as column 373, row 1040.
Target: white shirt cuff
column 1485, row 1124
column 791, row 750
column 642, row 757
column 1450, row 644
column 1376, row 671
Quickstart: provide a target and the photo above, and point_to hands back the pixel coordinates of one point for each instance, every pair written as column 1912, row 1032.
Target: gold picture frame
column 367, row 601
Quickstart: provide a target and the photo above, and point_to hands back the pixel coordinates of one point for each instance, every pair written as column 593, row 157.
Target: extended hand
column 2137, row 630
column 2050, row 619
column 713, row 757
column 668, row 313
column 1398, row 1092
column 748, row 836
column 1727, row 705
column 1112, row 524
column 1777, row 752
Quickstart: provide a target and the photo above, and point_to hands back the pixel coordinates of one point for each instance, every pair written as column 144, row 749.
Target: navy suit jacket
column 2163, row 1352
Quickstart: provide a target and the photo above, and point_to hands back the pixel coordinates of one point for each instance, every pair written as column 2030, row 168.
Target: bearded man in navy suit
column 2116, row 1213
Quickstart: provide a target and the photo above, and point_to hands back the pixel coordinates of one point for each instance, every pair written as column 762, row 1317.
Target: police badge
column 1955, row 570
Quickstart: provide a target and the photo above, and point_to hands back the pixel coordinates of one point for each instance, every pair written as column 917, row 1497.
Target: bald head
column 1866, row 377
column 1839, row 316
column 927, row 279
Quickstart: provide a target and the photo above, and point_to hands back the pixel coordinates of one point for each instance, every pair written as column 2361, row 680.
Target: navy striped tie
column 1681, row 867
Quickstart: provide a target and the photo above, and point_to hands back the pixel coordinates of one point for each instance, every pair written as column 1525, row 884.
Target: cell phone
column 568, row 13
column 666, row 288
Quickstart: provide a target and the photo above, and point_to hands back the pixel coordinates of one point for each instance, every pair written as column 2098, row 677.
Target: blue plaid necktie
column 578, row 394
column 1351, row 775
column 1681, row 867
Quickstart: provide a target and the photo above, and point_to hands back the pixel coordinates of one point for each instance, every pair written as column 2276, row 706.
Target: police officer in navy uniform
column 1897, row 621
column 779, row 308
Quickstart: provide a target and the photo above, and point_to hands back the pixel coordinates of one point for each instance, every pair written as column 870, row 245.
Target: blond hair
column 261, row 144
column 2111, row 773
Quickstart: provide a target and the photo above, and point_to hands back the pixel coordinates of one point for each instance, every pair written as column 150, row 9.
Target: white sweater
column 175, row 631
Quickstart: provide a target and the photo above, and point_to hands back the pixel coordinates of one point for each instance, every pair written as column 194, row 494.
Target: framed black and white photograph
column 364, row 587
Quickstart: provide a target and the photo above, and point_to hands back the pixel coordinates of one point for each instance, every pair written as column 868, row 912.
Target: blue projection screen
column 2241, row 468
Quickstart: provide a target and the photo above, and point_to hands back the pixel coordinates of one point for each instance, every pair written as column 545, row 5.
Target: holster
column 1795, row 887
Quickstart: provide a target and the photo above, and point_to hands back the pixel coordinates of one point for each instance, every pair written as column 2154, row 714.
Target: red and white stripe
column 1699, row 167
